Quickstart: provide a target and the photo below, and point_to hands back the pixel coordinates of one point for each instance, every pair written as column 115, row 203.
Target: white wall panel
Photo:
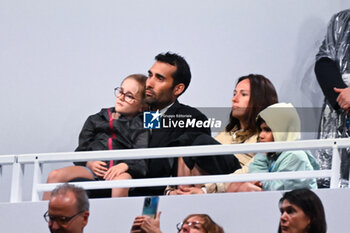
column 235, row 212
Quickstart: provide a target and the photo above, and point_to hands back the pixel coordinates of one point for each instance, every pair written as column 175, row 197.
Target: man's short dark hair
column 79, row 193
column 182, row 73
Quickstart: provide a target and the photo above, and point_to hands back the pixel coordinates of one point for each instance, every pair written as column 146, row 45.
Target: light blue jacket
column 285, row 162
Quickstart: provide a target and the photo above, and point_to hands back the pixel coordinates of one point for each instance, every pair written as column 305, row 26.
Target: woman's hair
column 141, row 79
column 312, row 206
column 262, row 95
column 209, row 225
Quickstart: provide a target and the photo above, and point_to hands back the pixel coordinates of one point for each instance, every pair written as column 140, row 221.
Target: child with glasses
column 119, row 127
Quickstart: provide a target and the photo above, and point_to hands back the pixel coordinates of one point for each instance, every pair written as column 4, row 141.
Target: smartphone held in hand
column 150, row 206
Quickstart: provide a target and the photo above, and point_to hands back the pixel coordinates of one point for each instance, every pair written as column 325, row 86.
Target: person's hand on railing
column 146, row 224
column 191, row 190
column 97, row 167
column 252, row 186
column 186, row 190
column 175, row 192
column 115, row 171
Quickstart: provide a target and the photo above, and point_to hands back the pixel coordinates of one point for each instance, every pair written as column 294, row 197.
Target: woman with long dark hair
column 301, row 212
column 252, row 94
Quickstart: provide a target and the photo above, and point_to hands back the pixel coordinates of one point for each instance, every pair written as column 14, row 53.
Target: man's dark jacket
column 184, row 136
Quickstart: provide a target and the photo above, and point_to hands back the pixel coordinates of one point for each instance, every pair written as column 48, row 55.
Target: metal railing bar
column 36, row 180
column 7, row 159
column 335, row 167
column 184, row 151
column 192, row 180
column 16, row 182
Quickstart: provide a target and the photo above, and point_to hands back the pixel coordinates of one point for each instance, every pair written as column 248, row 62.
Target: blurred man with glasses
column 68, row 209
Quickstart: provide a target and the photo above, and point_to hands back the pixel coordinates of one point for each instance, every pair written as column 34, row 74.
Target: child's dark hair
column 259, row 121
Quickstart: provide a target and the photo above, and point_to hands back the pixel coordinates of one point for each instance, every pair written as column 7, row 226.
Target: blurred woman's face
column 240, row 100
column 193, row 225
column 293, row 219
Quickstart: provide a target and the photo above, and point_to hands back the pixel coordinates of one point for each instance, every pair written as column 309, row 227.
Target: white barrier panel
column 236, row 212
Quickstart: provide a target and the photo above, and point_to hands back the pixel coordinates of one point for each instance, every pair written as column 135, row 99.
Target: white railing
column 19, row 161
column 6, row 160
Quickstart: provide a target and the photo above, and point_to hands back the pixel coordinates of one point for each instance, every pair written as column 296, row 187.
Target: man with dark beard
column 168, row 78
